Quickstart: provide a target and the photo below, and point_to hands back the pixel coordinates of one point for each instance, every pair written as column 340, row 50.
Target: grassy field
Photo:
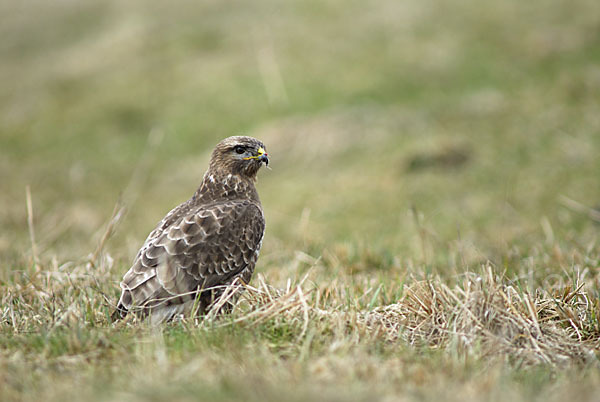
column 433, row 207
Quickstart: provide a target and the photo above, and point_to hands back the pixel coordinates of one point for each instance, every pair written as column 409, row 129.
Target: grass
column 432, row 209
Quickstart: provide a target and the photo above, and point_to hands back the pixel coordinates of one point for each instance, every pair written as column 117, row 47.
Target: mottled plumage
column 205, row 243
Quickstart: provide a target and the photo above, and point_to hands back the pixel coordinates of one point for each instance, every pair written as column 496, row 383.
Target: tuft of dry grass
column 491, row 316
column 484, row 315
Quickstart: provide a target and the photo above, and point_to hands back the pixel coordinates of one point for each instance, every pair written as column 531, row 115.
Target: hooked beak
column 263, row 156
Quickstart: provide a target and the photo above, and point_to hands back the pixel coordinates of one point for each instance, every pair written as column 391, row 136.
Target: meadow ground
column 432, row 208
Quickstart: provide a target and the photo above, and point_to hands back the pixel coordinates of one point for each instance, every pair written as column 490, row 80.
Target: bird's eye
column 239, row 150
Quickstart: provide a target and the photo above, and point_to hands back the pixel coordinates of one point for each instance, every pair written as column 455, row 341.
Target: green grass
column 412, row 142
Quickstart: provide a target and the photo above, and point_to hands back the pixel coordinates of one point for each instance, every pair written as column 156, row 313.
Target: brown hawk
column 205, row 243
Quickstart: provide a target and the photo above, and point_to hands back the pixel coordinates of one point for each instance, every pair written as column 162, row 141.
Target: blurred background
column 439, row 133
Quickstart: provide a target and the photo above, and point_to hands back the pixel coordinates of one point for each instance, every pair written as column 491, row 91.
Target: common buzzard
column 205, row 243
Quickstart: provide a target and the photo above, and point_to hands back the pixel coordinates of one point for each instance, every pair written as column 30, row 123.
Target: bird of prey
column 204, row 244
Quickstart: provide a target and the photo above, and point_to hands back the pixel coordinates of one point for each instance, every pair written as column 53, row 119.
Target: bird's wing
column 191, row 248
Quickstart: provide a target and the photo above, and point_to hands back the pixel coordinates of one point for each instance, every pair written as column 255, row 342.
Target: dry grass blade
column 576, row 206
column 117, row 214
column 34, row 249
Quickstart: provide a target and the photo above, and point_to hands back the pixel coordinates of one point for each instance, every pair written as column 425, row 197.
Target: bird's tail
column 119, row 313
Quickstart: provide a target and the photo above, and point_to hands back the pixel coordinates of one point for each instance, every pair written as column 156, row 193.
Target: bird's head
column 238, row 155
